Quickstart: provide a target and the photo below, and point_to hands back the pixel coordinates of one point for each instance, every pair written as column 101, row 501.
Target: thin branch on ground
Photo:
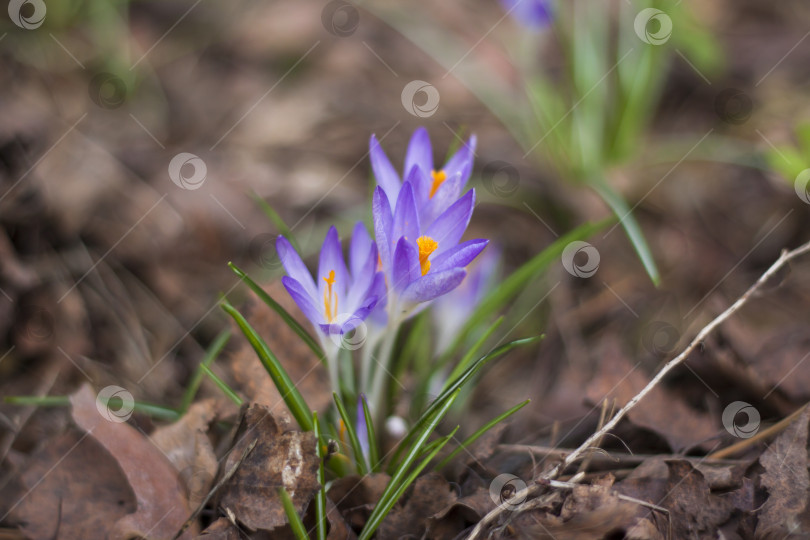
column 554, row 472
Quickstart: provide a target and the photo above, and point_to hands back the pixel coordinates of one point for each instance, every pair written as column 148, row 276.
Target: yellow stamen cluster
column 328, row 296
column 427, row 245
column 438, row 179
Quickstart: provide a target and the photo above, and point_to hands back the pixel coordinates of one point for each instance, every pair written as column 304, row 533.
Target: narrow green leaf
column 397, row 493
column 486, row 427
column 631, row 227
column 282, row 227
column 357, row 450
column 388, row 497
column 296, row 524
column 292, row 397
column 275, row 306
column 38, row 401
column 320, row 497
column 149, row 409
column 373, row 449
column 227, row 390
column 210, row 355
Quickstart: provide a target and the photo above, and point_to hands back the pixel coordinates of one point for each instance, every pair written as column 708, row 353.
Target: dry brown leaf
column 287, row 459
column 778, row 362
column 298, row 360
column 187, row 446
column 338, row 528
column 459, row 515
column 221, row 529
column 695, row 511
column 71, row 488
column 591, row 509
column 355, row 496
column 787, row 481
column 643, row 529
column 162, row 507
column 588, row 513
column 661, row 411
column 428, row 493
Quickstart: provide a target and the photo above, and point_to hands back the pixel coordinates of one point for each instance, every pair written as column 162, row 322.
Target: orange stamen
column 438, row 179
column 327, row 298
column 427, row 245
column 342, row 431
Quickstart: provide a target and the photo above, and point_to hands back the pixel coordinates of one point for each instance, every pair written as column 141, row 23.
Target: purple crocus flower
column 434, row 189
column 341, row 299
column 533, row 14
column 422, row 263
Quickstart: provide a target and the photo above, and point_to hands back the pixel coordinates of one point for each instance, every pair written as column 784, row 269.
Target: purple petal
column 432, row 285
column 302, row 299
column 419, row 152
column 348, row 323
column 458, row 256
column 484, row 273
column 295, row 266
column 447, row 194
column 332, row 259
column 421, row 183
column 359, row 248
column 406, row 218
column 406, row 265
column 362, row 279
column 378, row 288
column 384, row 172
column 461, row 161
column 449, row 227
column 383, row 223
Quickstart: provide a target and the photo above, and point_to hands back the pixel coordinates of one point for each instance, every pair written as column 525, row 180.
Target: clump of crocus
column 418, row 257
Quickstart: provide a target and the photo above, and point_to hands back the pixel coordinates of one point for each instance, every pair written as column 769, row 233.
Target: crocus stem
column 330, row 351
column 367, row 358
column 381, row 371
